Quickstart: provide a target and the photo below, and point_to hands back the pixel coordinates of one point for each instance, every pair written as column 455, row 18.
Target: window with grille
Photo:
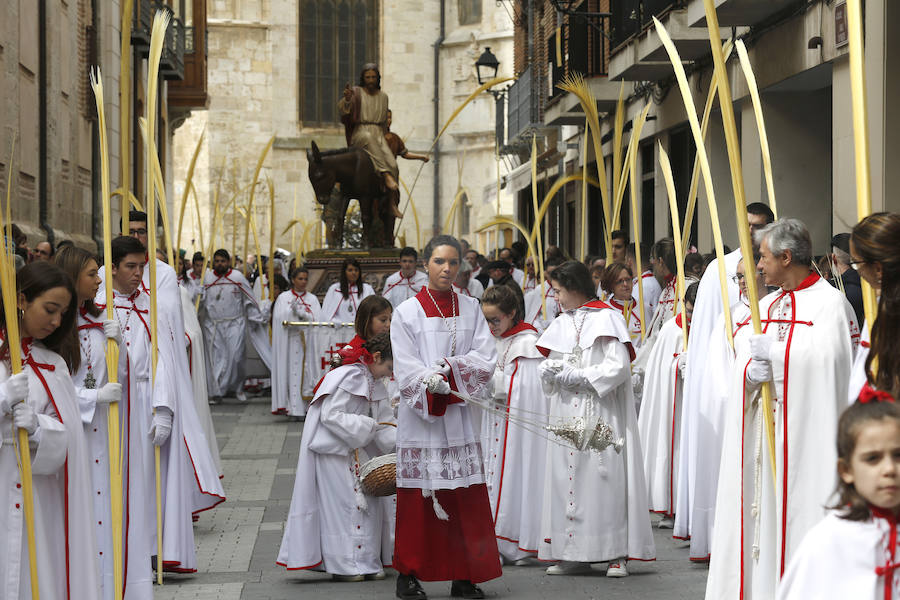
column 469, row 12
column 337, row 37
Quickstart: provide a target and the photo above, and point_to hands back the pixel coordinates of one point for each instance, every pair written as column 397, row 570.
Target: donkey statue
column 352, row 170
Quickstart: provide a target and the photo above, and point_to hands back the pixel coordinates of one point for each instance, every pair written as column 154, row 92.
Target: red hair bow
column 870, row 394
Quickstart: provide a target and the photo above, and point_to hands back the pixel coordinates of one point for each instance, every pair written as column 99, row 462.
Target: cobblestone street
column 239, row 540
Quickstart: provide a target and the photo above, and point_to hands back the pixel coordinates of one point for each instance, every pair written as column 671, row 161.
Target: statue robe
column 365, row 121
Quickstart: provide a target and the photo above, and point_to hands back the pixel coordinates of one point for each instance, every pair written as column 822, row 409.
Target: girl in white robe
column 616, row 282
column 294, row 351
column 42, row 400
column 852, row 552
column 343, row 297
column 514, row 457
column 659, row 422
column 95, row 393
column 331, row 525
column 595, row 505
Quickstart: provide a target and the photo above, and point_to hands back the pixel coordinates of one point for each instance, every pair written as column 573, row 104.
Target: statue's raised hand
column 348, row 92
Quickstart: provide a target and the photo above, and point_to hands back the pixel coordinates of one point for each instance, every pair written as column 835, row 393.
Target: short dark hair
column 223, row 253
column 281, row 282
column 553, row 261
column 611, row 275
column 619, row 234
column 690, row 294
column 409, row 251
column 693, row 261
column 574, row 276
column 299, row 270
column 442, row 240
column 124, row 245
column 197, row 256
column 380, row 343
column 758, row 208
column 504, row 298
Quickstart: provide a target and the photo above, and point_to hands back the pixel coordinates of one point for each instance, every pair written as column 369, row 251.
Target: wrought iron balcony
column 141, row 25
column 524, row 105
column 171, row 64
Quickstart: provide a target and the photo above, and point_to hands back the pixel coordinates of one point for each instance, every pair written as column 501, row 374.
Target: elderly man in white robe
column 804, row 354
column 704, row 401
column 229, row 310
column 405, row 283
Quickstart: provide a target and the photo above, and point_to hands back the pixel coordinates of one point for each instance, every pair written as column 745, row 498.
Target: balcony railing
column 631, row 16
column 523, row 104
column 171, row 64
column 585, row 47
column 141, row 25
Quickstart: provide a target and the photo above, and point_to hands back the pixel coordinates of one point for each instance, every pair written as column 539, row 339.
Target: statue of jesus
column 364, row 110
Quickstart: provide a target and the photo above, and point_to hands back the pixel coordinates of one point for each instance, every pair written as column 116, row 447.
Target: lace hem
column 462, row 465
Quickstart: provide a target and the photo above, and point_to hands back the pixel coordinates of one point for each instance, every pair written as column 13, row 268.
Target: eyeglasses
column 137, row 232
column 738, row 278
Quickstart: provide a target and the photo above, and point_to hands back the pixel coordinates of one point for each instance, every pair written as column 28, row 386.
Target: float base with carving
column 325, row 266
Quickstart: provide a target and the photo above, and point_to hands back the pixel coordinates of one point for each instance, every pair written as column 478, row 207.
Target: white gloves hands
column 436, row 384
column 111, row 392
column 682, row 364
column 549, row 368
column 570, row 377
column 443, row 368
column 13, row 391
column 113, row 331
column 760, row 346
column 759, row 371
column 265, row 306
column 161, row 427
column 301, row 313
column 25, row 418
column 637, row 383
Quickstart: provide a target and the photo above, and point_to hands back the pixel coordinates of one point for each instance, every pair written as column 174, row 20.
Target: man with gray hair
column 840, row 265
column 465, row 284
column 804, row 354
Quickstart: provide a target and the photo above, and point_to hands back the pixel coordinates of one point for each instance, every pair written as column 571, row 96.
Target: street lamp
column 486, row 66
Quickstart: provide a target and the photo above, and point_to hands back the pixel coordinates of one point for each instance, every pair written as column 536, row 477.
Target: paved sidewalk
column 237, row 542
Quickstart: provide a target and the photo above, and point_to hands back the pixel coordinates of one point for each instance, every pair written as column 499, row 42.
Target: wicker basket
column 379, row 475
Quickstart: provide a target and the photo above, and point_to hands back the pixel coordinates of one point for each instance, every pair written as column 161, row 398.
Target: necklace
column 575, row 358
column 453, row 313
column 502, row 364
column 89, row 381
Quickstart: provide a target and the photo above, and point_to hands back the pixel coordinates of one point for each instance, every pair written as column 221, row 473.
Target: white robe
column 337, row 309
column 473, row 290
column 398, row 288
column 660, row 418
column 632, row 319
column 705, row 394
column 137, row 541
column 858, row 376
column 652, row 291
column 530, row 283
column 534, row 307
column 65, row 543
column 229, row 310
column 423, row 439
column 594, row 509
column 197, row 356
column 665, row 309
column 515, row 456
column 812, row 330
column 838, row 559
column 331, row 527
column 294, row 352
column 193, row 284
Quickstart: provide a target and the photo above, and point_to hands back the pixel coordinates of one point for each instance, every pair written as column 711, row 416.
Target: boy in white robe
column 405, row 283
column 331, row 525
column 594, row 510
column 294, row 351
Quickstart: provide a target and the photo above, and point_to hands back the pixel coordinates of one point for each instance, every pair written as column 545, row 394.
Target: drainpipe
column 43, row 181
column 436, row 207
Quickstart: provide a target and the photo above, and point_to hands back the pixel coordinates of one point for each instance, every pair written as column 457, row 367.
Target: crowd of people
column 532, row 423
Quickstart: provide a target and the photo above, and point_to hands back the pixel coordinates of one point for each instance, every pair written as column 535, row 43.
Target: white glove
column 549, row 368
column 570, row 377
column 25, row 418
column 760, row 346
column 265, row 306
column 682, row 364
column 301, row 313
column 111, row 392
column 637, row 383
column 759, row 371
column 161, row 427
column 13, row 391
column 113, row 331
column 443, row 368
column 437, row 384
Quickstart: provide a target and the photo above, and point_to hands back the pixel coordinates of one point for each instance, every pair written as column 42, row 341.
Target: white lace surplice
column 439, row 452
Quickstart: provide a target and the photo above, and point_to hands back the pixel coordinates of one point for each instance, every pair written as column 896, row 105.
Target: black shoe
column 465, row 589
column 409, row 588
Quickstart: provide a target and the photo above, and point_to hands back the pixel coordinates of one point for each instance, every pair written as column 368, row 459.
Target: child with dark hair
column 343, row 297
column 595, row 504
column 852, row 552
column 373, row 318
column 514, row 457
column 332, row 526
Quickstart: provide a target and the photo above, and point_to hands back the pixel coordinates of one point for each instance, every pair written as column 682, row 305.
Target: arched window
column 337, row 37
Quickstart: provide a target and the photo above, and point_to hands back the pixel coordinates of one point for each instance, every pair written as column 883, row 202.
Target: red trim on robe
column 518, row 328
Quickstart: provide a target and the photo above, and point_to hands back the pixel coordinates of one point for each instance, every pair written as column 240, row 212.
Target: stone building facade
column 260, row 86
